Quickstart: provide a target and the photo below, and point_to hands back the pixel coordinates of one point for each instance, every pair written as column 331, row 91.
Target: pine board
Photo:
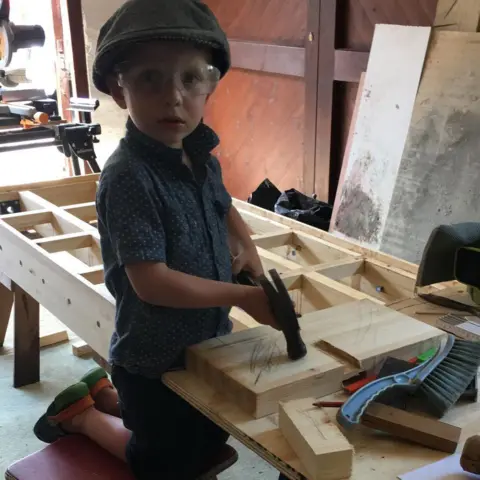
column 251, row 367
column 318, row 442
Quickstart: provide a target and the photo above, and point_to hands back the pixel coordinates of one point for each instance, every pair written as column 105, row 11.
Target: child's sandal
column 96, row 380
column 73, row 401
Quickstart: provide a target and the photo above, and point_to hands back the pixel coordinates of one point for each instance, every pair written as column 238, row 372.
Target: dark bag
column 265, row 196
column 296, row 205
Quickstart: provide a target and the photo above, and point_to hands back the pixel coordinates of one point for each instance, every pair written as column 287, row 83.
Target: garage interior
column 348, row 136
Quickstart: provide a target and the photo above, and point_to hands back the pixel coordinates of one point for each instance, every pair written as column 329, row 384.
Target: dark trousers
column 170, row 439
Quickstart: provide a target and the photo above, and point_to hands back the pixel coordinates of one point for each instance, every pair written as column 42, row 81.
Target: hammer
column 283, row 310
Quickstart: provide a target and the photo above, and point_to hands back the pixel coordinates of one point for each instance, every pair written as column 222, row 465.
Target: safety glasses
column 193, row 81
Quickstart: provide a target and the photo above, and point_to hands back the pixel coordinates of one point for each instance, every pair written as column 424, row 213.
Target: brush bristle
column 446, row 384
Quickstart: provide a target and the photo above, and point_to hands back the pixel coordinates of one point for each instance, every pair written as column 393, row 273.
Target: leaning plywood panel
column 318, row 442
column 439, row 177
column 390, row 87
column 253, row 369
column 458, row 15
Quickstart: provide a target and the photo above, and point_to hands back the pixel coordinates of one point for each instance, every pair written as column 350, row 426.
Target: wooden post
column 79, row 55
column 76, row 82
column 311, row 94
column 6, row 304
column 26, row 368
column 326, row 73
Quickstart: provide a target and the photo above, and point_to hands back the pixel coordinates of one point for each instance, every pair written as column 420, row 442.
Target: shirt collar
column 198, row 145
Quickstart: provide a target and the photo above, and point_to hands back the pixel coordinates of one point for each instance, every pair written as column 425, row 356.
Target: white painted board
column 385, row 111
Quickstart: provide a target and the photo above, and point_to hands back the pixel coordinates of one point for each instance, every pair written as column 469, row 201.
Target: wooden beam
column 26, row 220
column 264, row 57
column 66, row 242
column 84, row 211
column 350, row 65
column 77, row 39
column 27, row 339
column 79, row 57
column 326, row 70
column 415, row 428
column 94, row 274
column 64, row 92
column 311, row 93
column 296, row 61
column 12, row 190
column 6, row 304
column 318, row 442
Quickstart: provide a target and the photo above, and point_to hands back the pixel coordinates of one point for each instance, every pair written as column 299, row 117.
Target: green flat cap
column 144, row 20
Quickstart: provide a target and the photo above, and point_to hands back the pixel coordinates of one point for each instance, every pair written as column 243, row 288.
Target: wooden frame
column 50, row 253
column 59, row 263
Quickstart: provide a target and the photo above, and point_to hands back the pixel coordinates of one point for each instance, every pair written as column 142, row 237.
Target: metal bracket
column 77, row 141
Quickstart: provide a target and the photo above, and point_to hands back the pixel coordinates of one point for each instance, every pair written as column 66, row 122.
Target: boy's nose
column 172, row 93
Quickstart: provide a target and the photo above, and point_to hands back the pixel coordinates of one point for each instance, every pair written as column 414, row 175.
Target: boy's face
column 165, row 86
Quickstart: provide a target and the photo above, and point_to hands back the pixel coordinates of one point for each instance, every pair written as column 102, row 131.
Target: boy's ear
column 116, row 92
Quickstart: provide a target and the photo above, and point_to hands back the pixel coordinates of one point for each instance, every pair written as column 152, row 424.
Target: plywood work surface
column 252, row 367
column 377, row 456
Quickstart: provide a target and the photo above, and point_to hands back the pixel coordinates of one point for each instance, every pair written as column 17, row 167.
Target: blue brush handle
column 352, row 410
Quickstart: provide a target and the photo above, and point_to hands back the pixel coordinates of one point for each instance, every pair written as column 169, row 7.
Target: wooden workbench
column 50, row 252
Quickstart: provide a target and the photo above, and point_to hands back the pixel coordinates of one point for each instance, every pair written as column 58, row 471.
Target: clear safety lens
column 196, row 80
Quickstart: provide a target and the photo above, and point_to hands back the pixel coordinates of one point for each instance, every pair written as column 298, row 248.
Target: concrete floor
column 20, row 408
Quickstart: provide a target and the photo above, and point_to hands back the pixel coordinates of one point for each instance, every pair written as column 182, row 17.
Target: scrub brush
column 443, row 387
column 441, row 380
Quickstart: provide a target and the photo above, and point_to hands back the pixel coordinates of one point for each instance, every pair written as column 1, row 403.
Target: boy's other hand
column 256, row 304
column 249, row 261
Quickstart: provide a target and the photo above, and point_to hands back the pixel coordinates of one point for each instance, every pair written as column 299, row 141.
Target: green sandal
column 96, row 380
column 67, row 404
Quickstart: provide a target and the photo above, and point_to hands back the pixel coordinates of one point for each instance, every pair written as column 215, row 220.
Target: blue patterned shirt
column 151, row 207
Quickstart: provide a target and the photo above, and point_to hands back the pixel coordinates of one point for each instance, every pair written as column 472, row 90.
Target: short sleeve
column 132, row 217
column 222, row 194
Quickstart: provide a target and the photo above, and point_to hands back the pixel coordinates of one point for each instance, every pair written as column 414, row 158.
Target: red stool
column 73, row 457
column 76, row 457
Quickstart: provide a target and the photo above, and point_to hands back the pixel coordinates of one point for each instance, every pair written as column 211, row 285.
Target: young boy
column 168, row 229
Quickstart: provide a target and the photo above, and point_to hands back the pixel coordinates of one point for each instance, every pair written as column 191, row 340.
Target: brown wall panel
column 259, row 118
column 272, row 21
column 357, row 18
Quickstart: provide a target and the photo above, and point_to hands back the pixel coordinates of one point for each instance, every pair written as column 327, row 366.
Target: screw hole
column 43, row 281
column 69, row 301
column 21, row 263
column 98, row 324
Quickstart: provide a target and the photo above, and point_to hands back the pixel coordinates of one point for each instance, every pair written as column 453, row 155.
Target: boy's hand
column 256, row 304
column 249, row 261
